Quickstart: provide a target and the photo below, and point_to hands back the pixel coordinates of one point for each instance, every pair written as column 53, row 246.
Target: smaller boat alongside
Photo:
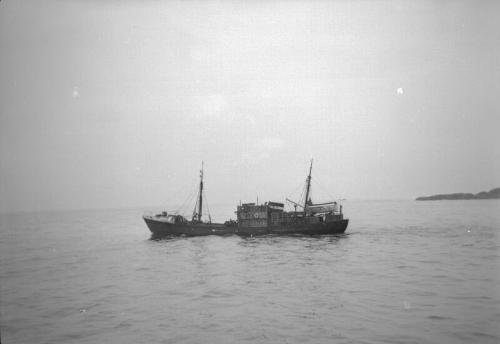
column 255, row 219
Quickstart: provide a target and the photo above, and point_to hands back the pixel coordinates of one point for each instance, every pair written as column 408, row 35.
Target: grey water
column 404, row 272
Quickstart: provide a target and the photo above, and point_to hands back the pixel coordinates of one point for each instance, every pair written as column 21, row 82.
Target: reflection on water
column 259, row 238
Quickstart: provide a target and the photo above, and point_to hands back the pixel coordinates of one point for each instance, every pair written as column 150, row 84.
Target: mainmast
column 308, row 187
column 200, row 200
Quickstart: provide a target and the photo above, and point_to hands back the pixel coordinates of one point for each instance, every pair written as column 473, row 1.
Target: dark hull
column 161, row 228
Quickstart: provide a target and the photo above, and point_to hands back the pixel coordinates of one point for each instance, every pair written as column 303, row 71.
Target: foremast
column 197, row 213
column 308, row 187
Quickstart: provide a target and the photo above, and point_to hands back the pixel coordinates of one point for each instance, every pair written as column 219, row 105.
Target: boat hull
column 161, row 228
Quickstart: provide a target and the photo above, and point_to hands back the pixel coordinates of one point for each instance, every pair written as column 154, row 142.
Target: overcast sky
column 116, row 103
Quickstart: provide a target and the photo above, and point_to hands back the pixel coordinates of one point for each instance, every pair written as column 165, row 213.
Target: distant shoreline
column 492, row 194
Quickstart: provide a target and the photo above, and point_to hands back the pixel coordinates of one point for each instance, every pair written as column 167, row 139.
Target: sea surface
column 404, row 272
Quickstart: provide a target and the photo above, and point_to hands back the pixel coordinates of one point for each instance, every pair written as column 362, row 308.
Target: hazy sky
column 115, row 103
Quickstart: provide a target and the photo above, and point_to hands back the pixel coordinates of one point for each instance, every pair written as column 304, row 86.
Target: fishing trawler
column 255, row 219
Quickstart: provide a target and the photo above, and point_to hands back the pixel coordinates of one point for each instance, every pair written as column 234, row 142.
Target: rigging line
column 182, row 210
column 300, row 195
column 322, row 184
column 294, row 192
column 186, row 206
column 180, row 187
column 324, row 190
column 206, row 205
column 182, row 204
column 187, row 200
column 327, row 192
column 303, row 194
column 195, row 210
column 296, row 189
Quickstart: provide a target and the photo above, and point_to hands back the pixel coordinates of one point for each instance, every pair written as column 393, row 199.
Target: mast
column 200, row 200
column 308, row 187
